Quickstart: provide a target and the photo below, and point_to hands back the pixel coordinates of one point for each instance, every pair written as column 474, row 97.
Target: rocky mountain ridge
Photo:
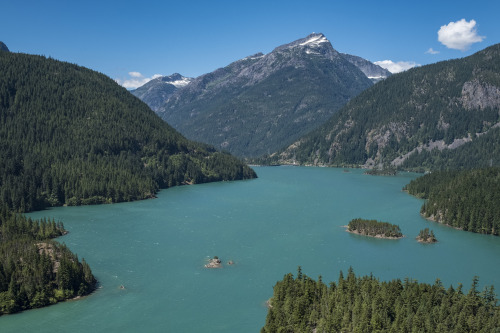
column 157, row 91
column 434, row 116
column 260, row 103
column 372, row 71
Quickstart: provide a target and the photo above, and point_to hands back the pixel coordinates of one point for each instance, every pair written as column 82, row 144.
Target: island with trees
column 426, row 236
column 374, row 228
column 365, row 304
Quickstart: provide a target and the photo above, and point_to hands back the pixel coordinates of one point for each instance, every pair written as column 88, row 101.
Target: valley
column 71, row 136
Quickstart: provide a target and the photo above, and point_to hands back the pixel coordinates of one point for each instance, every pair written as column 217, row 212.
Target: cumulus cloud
column 431, row 51
column 396, row 67
column 459, row 35
column 136, row 80
column 135, row 74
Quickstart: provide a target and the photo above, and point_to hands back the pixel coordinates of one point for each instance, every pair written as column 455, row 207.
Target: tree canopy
column 34, row 270
column 466, row 199
column 69, row 135
column 365, row 304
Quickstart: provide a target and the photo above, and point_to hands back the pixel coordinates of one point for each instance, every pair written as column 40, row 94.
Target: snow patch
column 180, row 83
column 315, row 41
column 312, row 52
column 252, row 57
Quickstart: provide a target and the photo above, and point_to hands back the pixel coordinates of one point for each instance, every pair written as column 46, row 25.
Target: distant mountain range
column 439, row 116
column 372, row 71
column 157, row 91
column 262, row 103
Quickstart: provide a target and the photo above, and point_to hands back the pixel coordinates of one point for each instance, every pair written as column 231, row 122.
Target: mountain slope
column 430, row 116
column 372, row 71
column 261, row 103
column 3, row 47
column 69, row 135
column 157, row 91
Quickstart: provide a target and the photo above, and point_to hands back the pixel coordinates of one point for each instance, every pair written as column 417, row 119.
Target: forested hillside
column 433, row 116
column 467, row 199
column 364, row 304
column 69, row 135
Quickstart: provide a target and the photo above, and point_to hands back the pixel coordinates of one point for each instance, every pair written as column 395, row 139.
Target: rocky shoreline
column 382, row 236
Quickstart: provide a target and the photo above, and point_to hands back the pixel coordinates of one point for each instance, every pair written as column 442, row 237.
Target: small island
column 374, row 228
column 215, row 262
column 425, row 236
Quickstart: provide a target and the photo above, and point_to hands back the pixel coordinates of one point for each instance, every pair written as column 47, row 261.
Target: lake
column 289, row 216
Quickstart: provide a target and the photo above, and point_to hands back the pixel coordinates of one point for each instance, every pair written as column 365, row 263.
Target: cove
column 289, row 216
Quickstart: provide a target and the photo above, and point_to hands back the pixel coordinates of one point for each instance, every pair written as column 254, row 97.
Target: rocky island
column 425, row 236
column 215, row 262
column 374, row 228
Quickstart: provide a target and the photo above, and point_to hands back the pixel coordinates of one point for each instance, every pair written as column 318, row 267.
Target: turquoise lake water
column 289, row 216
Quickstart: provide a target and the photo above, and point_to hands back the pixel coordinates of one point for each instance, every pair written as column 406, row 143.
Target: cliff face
column 480, row 95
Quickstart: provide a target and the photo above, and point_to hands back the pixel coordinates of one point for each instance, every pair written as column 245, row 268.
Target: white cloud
column 136, row 80
column 135, row 74
column 459, row 35
column 396, row 67
column 431, row 51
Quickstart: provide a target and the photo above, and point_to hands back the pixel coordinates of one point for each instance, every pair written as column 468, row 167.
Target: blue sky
column 135, row 40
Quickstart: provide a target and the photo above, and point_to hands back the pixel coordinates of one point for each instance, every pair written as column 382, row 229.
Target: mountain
column 372, row 71
column 439, row 116
column 261, row 103
column 71, row 136
column 157, row 91
column 3, row 47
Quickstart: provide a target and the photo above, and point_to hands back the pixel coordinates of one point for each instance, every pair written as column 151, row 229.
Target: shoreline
column 420, row 240
column 431, row 218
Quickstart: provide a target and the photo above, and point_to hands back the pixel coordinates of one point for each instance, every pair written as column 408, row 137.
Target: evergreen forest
column 364, row 304
column 34, row 270
column 72, row 136
column 465, row 199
